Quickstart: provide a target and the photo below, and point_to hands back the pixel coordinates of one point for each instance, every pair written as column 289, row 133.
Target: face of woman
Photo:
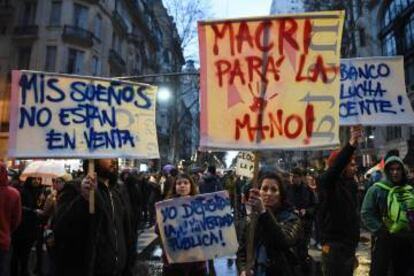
column 269, row 192
column 183, row 186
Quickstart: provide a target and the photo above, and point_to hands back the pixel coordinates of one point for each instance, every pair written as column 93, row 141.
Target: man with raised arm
column 338, row 210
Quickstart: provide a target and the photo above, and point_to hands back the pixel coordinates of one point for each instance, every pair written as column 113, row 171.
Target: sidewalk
column 363, row 254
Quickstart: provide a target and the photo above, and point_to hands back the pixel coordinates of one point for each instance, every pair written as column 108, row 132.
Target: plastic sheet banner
column 245, row 164
column 271, row 82
column 197, row 228
column 373, row 92
column 55, row 115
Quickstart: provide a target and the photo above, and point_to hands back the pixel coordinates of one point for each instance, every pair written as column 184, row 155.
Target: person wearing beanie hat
column 338, row 210
column 390, row 251
column 10, row 215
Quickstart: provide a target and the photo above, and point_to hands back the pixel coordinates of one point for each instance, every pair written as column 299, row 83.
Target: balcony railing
column 134, row 38
column 91, row 1
column 119, row 21
column 116, row 60
column 28, row 31
column 77, row 35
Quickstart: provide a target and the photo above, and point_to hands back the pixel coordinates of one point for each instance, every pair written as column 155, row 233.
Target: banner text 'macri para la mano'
column 271, row 82
column 76, row 116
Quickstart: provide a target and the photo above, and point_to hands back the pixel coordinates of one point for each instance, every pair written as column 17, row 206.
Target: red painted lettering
column 265, row 25
column 299, row 126
column 309, row 120
column 319, row 68
column 222, row 68
column 307, row 35
column 243, row 36
column 220, row 34
column 236, row 72
column 286, row 32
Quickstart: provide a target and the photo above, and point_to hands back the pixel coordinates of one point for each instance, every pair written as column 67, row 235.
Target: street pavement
column 150, row 263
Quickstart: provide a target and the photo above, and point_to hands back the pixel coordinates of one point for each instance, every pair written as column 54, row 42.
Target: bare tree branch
column 186, row 13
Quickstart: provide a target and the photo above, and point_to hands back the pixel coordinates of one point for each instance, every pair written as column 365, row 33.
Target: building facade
column 286, row 6
column 107, row 38
column 386, row 28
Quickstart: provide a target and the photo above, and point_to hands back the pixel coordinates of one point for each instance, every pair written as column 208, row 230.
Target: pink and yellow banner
column 271, row 82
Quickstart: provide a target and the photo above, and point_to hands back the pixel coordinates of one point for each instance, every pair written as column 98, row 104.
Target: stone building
column 286, row 6
column 386, row 28
column 107, row 38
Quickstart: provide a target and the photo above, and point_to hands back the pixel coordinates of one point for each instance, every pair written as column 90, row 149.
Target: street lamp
column 164, row 94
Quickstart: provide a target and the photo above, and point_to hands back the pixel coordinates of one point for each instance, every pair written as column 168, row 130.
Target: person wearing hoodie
column 10, row 215
column 338, row 210
column 389, row 251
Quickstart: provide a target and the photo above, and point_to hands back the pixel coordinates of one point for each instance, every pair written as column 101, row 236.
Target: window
column 28, row 14
column 23, row 59
column 409, row 33
column 361, row 33
column 389, row 46
column 394, row 8
column 96, row 66
column 75, row 61
column 98, row 26
column 80, row 16
column 393, row 132
column 55, row 12
column 117, row 43
column 50, row 63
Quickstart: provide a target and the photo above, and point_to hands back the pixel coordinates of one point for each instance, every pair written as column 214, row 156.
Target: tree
column 186, row 13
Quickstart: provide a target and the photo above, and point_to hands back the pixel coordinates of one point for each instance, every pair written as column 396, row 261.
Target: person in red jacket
column 10, row 215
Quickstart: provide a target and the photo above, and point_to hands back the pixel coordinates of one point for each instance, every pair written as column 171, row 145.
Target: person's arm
column 282, row 234
column 370, row 213
column 329, row 178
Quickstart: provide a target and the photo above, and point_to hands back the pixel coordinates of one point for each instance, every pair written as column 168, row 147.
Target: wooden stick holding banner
column 91, row 173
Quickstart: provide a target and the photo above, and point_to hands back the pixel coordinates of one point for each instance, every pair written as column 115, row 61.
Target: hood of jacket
column 394, row 159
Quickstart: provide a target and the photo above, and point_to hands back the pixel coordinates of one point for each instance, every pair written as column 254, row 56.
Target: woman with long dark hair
column 183, row 186
column 276, row 232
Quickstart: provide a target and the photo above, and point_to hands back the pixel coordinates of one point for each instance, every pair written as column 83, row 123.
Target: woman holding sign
column 183, row 186
column 277, row 232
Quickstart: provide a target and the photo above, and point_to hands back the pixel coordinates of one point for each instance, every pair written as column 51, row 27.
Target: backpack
column 400, row 201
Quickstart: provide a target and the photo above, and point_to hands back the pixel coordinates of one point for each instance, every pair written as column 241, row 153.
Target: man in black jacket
column 109, row 247
column 338, row 210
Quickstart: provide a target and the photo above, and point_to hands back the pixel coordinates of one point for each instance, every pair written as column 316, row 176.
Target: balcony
column 77, row 35
column 134, row 38
column 26, row 32
column 116, row 61
column 6, row 10
column 94, row 2
column 119, row 22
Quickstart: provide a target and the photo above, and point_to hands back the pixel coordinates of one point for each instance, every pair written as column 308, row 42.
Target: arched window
column 389, row 45
column 394, row 8
column 409, row 32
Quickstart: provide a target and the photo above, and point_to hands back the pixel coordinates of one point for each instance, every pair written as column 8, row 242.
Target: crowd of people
column 293, row 211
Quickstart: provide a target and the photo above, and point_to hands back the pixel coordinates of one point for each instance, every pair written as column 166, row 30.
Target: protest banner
column 270, row 82
column 56, row 115
column 197, row 228
column 245, row 164
column 373, row 92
